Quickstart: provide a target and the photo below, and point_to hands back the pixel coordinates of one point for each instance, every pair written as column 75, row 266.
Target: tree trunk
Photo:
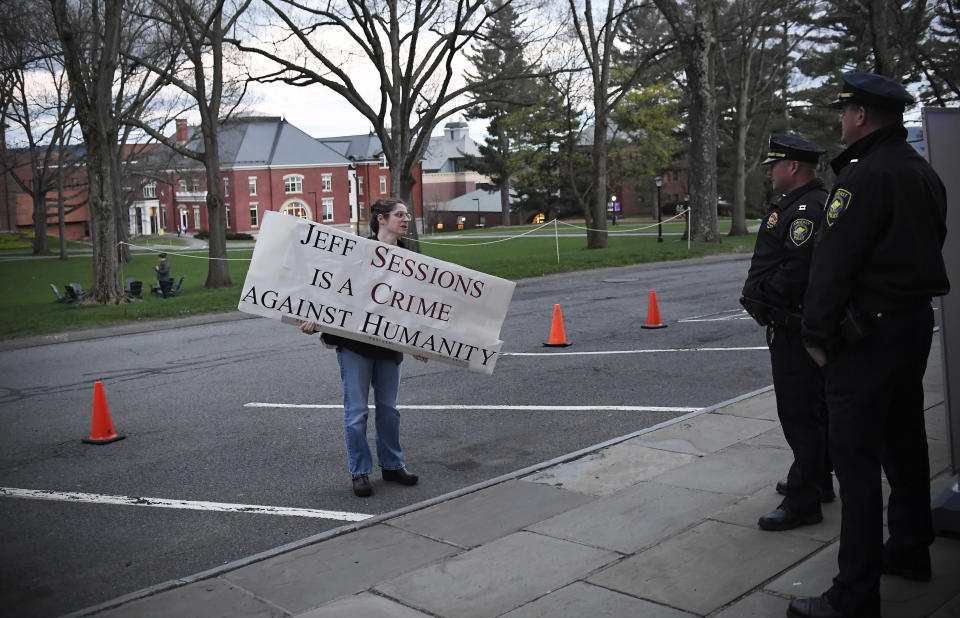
column 505, row 180
column 41, row 243
column 597, row 237
column 106, row 288
column 218, row 269
column 703, row 116
column 402, row 185
column 738, row 222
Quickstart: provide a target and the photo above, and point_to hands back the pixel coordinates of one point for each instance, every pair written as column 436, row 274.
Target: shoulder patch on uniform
column 838, row 205
column 800, row 231
column 772, row 220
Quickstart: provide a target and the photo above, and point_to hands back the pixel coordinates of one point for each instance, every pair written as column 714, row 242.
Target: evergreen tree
column 500, row 84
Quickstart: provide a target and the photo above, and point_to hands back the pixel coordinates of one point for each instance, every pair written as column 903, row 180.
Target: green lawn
column 28, row 306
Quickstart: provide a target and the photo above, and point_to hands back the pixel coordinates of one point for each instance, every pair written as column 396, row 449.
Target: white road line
column 663, row 351
column 415, row 406
column 190, row 505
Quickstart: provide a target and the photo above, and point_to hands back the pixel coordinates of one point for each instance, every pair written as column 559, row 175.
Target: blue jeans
column 358, row 373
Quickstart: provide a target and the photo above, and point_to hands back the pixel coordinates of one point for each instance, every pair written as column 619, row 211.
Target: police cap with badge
column 785, row 147
column 872, row 90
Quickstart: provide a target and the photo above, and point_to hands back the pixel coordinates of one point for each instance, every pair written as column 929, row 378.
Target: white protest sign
column 376, row 293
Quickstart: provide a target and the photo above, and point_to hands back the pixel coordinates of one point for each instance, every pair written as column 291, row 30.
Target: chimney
column 182, row 135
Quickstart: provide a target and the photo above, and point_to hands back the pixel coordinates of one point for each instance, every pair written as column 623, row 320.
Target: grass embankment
column 27, row 307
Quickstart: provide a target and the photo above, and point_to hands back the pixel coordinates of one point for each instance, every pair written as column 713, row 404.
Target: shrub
column 202, row 235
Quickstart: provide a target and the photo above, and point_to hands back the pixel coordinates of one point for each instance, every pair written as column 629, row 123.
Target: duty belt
column 766, row 314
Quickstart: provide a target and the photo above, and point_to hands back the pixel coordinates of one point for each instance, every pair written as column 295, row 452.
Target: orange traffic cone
column 653, row 314
column 101, row 429
column 558, row 338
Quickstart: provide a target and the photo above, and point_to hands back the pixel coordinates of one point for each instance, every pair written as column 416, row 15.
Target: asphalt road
column 178, row 392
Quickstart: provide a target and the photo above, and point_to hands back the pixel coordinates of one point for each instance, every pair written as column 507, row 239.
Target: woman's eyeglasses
column 402, row 215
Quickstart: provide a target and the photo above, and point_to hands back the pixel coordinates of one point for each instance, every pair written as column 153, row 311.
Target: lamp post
column 659, row 181
column 477, row 200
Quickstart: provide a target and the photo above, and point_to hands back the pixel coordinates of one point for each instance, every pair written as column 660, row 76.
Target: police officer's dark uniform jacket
column 876, row 265
column 781, row 257
column 773, row 294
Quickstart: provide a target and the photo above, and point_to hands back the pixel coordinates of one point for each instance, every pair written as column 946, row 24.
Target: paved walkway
column 658, row 524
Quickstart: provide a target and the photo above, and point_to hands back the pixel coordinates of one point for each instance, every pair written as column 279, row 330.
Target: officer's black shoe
column 400, row 476
column 812, row 607
column 783, row 518
column 913, row 565
column 361, row 486
column 826, row 491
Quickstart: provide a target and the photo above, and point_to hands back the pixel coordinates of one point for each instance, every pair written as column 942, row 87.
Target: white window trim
column 324, row 204
column 297, row 179
column 383, row 185
column 326, row 183
column 252, row 185
column 255, row 214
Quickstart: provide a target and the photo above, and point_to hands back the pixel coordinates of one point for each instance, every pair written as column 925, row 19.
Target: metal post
column 659, row 181
column 477, row 200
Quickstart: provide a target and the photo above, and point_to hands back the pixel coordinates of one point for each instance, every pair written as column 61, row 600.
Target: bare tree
column 598, row 40
column 693, row 26
column 754, row 59
column 408, row 48
column 203, row 24
column 44, row 121
column 104, row 91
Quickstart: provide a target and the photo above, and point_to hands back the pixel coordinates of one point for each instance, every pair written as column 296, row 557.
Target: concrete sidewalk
column 658, row 524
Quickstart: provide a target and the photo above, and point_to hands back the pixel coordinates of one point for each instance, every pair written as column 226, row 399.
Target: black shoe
column 812, row 607
column 913, row 565
column 361, row 485
column 400, row 476
column 786, row 519
column 826, row 491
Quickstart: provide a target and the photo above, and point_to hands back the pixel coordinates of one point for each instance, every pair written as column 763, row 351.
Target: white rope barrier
column 181, row 254
column 554, row 222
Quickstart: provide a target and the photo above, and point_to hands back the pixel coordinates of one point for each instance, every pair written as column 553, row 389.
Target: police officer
column 868, row 322
column 773, row 294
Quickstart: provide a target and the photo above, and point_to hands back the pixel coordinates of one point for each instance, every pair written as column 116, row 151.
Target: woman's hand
column 308, row 328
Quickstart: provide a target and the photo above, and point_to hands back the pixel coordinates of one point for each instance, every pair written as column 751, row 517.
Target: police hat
column 784, row 147
column 872, row 90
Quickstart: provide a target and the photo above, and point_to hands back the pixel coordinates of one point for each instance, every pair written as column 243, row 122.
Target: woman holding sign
column 363, row 365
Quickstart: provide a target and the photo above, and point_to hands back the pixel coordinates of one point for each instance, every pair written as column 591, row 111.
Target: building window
column 252, row 182
column 383, row 185
column 360, row 185
column 196, row 185
column 326, row 183
column 383, row 162
column 361, row 211
column 254, row 215
column 150, row 190
column 327, row 204
column 293, row 184
column 226, row 216
column 297, row 209
column 183, row 186
column 196, row 217
column 226, row 187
